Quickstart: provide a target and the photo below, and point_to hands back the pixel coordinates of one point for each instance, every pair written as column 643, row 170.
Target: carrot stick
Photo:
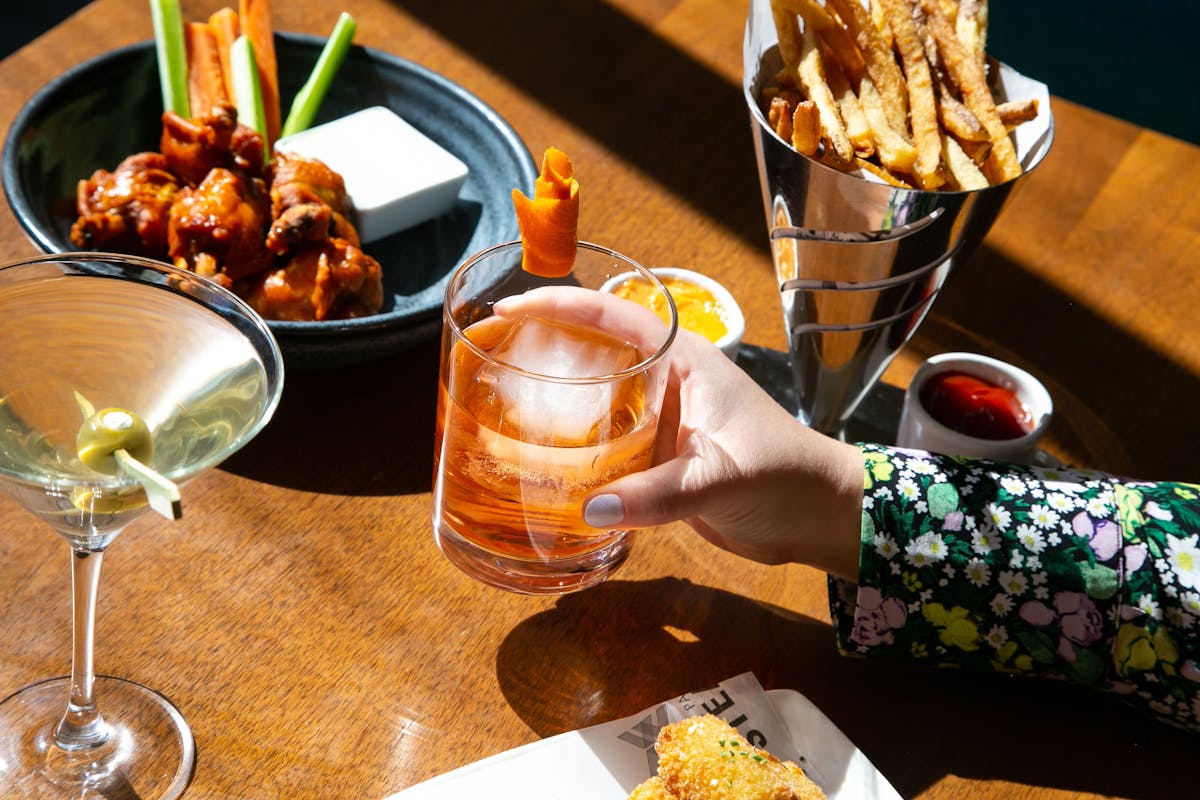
column 255, row 18
column 206, row 81
column 224, row 24
column 550, row 220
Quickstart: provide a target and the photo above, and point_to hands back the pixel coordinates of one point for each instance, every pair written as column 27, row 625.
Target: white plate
column 591, row 764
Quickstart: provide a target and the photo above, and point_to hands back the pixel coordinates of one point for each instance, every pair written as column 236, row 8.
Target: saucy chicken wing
column 291, row 250
column 193, row 147
column 308, row 204
column 332, row 280
column 126, row 210
column 218, row 229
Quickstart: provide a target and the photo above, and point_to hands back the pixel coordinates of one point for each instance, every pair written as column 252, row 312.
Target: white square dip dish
column 395, row 175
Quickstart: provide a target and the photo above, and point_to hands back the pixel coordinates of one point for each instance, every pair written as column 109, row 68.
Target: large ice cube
column 547, row 411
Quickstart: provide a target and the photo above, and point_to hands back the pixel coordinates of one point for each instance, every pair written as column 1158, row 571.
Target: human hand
column 729, row 460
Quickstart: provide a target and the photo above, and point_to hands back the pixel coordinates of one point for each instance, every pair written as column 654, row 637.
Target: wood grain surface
column 306, row 625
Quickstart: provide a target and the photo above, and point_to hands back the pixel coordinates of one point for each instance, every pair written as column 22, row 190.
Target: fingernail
column 603, row 511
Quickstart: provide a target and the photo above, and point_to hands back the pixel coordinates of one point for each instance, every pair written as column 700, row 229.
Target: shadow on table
column 1120, row 405
column 1137, row 397
column 648, row 101
column 625, row 646
column 876, row 419
column 361, row 430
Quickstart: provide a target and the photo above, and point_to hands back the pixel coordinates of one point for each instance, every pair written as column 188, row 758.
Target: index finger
column 589, row 308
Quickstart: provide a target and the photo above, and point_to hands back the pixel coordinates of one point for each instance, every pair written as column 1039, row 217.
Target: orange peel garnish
column 549, row 222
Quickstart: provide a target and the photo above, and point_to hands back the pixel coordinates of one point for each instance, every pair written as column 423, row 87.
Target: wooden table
column 320, row 646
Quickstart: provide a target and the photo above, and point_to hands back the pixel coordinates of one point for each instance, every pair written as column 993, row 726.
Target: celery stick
column 172, row 55
column 312, row 93
column 247, row 89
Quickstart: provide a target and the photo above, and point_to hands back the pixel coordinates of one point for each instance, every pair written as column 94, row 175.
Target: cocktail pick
column 161, row 493
column 85, row 406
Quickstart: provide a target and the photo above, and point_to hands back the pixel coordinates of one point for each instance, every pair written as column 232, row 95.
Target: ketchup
column 976, row 407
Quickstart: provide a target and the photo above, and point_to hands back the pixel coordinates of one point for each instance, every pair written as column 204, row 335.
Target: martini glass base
column 149, row 753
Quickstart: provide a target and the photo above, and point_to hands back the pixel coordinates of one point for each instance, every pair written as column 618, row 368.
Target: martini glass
column 204, row 373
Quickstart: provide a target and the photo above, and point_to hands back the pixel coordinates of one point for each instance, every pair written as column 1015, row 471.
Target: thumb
column 665, row 493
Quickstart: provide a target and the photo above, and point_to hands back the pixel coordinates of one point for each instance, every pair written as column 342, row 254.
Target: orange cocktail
column 539, row 404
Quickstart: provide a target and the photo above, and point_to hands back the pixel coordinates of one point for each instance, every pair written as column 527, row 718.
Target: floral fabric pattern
column 1058, row 573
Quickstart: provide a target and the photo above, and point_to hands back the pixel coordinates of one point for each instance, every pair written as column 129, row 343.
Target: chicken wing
column 218, row 228
column 194, row 147
column 309, row 203
column 126, row 210
column 331, row 280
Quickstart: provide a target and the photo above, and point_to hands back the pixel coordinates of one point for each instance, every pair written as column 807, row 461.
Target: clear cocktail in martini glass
column 120, row 379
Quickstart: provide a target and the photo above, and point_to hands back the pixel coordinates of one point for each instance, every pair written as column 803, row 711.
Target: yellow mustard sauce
column 698, row 310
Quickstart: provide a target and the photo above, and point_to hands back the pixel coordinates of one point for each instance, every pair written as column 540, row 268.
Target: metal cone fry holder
column 859, row 263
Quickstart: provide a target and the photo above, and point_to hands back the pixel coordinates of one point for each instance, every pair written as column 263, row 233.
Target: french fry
column 806, row 128
column 255, row 19
column 895, row 152
column 880, row 63
column 928, row 44
column 978, row 151
column 896, row 89
column 812, row 77
column 844, row 49
column 206, row 80
column 881, row 173
column 971, row 26
column 963, row 171
column 957, row 118
column 858, row 130
column 968, row 75
column 224, row 26
column 779, row 117
column 879, row 17
column 867, row 166
column 829, row 30
column 788, row 30
column 1017, row 112
column 923, row 115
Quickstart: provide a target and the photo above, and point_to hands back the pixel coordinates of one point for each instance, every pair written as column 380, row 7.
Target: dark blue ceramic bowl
column 96, row 114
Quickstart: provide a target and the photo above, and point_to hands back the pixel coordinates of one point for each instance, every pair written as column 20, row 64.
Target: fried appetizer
column 705, row 758
column 651, row 789
column 126, row 210
column 332, row 280
column 905, row 82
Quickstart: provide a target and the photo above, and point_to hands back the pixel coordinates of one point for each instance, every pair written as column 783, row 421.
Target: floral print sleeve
column 1053, row 572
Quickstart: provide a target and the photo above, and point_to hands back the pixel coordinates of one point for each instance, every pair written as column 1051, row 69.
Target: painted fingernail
column 603, row 511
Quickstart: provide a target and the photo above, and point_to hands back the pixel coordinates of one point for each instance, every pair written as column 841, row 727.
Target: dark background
column 1137, row 61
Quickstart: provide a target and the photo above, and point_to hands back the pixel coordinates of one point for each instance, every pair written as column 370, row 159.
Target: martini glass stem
column 81, row 725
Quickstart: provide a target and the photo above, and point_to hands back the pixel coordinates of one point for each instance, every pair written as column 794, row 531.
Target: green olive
column 106, row 503
column 108, row 431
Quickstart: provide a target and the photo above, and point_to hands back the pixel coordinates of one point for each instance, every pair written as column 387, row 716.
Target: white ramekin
column 920, row 431
column 735, row 322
